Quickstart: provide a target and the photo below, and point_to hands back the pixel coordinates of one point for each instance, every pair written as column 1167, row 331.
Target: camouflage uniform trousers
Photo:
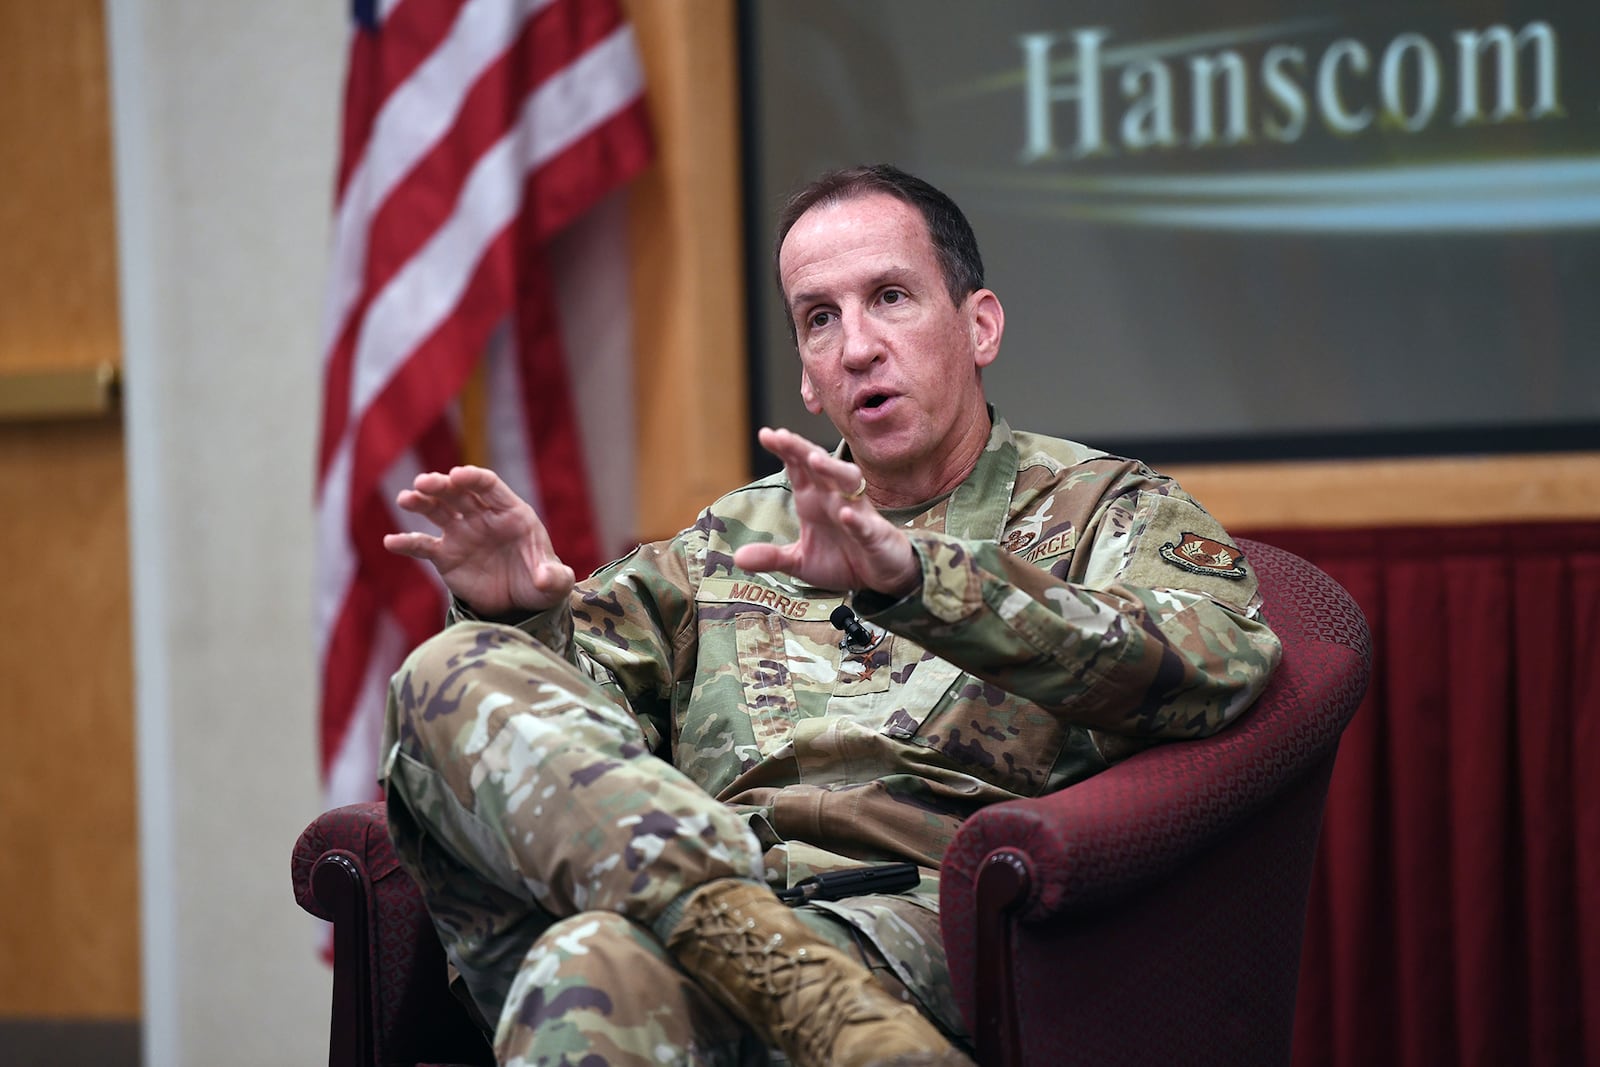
column 548, row 842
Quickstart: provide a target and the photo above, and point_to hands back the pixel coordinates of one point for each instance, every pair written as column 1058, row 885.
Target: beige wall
column 224, row 123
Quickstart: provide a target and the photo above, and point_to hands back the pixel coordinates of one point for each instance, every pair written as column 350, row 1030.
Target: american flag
column 480, row 136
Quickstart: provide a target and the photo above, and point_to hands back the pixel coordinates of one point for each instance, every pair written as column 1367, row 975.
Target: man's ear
column 808, row 394
column 988, row 321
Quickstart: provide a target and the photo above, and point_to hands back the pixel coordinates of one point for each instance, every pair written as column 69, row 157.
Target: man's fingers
column 553, row 576
column 764, row 557
column 431, row 494
column 794, row 450
column 459, row 499
column 836, row 473
column 463, row 491
column 425, row 506
column 416, row 545
column 780, row 442
column 486, row 487
column 857, row 523
column 809, row 463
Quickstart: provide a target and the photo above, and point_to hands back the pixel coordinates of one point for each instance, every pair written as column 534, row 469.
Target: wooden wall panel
column 688, row 272
column 1424, row 491
column 69, row 930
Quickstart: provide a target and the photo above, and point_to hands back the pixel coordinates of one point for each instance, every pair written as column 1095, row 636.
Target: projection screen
column 1229, row 230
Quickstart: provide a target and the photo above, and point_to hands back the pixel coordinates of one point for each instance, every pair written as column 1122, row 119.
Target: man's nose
column 862, row 345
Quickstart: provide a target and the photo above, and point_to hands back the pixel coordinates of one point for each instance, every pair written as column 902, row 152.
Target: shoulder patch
column 1203, row 555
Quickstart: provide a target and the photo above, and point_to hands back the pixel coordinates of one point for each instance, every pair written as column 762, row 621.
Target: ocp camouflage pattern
column 1065, row 620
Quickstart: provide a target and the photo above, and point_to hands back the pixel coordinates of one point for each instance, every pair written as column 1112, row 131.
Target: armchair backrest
column 1154, row 913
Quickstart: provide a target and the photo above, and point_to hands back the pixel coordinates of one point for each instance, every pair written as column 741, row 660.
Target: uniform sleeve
column 630, row 627
column 1156, row 634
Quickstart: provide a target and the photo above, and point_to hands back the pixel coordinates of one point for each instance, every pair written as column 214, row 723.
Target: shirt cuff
column 951, row 589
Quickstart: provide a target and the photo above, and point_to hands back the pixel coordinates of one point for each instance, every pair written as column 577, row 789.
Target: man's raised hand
column 492, row 550
column 844, row 543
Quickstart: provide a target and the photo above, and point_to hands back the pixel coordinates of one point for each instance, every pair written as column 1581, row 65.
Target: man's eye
column 893, row 296
column 819, row 319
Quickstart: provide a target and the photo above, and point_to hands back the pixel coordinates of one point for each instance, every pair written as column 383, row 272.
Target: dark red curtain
column 1455, row 907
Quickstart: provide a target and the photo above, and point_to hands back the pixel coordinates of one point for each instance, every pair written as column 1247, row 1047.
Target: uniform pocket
column 995, row 737
column 765, row 675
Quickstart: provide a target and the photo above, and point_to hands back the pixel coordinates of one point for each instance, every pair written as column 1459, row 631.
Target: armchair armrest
column 391, row 1000
column 358, row 832
column 1147, row 816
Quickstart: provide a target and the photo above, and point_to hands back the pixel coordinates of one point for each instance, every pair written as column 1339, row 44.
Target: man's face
column 884, row 351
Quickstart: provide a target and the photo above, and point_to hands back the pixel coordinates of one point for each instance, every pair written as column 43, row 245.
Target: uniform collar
column 980, row 505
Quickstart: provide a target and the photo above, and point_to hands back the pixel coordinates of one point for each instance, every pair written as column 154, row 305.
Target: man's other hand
column 844, row 543
column 492, row 550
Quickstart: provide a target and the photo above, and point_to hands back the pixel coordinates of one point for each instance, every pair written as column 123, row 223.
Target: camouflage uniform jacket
column 1074, row 607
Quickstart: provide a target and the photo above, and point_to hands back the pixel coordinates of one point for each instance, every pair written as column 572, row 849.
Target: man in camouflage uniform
column 596, row 783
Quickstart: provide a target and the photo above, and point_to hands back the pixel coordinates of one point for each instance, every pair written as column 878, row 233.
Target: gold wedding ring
column 859, row 491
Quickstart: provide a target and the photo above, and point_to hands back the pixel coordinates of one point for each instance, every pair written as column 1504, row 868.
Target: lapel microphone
column 857, row 638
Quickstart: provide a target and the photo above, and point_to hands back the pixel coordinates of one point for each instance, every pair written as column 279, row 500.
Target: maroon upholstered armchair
column 1152, row 914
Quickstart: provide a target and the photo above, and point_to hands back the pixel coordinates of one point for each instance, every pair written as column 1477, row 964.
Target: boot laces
column 795, row 978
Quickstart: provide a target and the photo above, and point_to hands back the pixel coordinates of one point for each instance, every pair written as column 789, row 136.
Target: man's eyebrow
column 889, row 275
column 800, row 300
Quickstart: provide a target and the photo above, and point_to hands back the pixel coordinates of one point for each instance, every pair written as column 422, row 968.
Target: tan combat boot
column 800, row 993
